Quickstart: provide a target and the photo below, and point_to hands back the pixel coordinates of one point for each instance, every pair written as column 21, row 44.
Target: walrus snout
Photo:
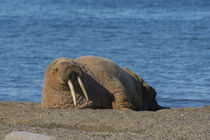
column 68, row 73
column 66, row 70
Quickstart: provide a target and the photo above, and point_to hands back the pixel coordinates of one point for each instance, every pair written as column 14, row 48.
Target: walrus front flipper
column 121, row 102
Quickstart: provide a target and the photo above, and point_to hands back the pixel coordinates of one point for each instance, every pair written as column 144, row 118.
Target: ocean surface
column 166, row 42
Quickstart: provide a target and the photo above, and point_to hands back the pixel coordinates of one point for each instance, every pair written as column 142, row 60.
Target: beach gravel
column 65, row 124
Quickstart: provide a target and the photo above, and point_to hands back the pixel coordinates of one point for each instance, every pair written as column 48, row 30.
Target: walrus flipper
column 121, row 102
column 147, row 92
column 154, row 106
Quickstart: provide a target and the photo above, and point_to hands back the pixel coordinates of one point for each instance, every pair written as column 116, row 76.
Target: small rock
column 21, row 135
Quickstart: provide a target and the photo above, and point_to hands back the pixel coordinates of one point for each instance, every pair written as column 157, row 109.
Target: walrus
column 95, row 82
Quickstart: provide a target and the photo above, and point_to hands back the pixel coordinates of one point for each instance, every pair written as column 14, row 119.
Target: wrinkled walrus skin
column 106, row 85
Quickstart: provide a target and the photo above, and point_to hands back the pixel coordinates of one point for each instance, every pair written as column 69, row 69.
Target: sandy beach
column 65, row 124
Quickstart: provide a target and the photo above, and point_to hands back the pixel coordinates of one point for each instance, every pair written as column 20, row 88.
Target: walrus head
column 61, row 78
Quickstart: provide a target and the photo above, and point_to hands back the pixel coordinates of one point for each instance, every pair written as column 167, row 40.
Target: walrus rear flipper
column 148, row 93
column 154, row 106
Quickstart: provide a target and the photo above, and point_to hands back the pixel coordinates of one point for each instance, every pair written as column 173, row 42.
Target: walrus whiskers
column 82, row 87
column 72, row 92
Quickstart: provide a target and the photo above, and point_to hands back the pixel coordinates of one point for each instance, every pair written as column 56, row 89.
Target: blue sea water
column 166, row 42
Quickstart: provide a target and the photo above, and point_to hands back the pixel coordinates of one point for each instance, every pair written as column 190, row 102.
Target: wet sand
column 65, row 124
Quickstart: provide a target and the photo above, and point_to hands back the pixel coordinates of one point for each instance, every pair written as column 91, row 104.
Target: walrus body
column 95, row 82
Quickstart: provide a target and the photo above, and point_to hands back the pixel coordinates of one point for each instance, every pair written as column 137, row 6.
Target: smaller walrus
column 95, row 82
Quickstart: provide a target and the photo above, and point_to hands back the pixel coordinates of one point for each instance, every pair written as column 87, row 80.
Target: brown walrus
column 95, row 82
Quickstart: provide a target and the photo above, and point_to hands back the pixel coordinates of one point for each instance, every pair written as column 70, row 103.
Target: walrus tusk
column 72, row 92
column 82, row 87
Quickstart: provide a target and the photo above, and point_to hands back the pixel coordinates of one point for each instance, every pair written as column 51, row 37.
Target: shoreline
column 174, row 123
